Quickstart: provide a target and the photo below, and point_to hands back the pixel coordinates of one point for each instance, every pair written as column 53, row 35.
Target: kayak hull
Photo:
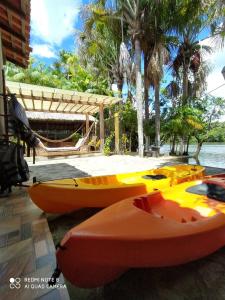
column 89, row 274
column 154, row 230
column 66, row 195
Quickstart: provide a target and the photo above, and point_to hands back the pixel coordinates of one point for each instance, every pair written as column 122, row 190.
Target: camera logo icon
column 14, row 283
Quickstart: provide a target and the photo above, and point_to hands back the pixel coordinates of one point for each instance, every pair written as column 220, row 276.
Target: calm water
column 212, row 155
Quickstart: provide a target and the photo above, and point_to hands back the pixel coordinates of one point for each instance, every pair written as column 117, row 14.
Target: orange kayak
column 66, row 195
column 181, row 224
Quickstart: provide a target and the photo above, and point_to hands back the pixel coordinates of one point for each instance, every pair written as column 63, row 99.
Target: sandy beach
column 94, row 165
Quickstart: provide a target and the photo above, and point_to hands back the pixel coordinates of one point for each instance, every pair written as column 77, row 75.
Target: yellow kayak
column 66, row 195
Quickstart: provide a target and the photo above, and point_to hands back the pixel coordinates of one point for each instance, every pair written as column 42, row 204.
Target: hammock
column 77, row 147
column 57, row 141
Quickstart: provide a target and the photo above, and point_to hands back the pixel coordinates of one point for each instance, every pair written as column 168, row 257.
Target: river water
column 212, row 155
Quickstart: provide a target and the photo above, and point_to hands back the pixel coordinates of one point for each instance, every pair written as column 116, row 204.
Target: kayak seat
column 155, row 177
column 145, row 203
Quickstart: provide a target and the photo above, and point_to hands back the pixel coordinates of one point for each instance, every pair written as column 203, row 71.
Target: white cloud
column 217, row 62
column 43, row 50
column 53, row 20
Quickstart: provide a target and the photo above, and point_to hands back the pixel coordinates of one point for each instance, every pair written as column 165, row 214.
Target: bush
column 76, row 136
column 109, row 142
column 124, row 143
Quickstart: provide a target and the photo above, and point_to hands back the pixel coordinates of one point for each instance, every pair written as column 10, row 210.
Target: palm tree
column 187, row 63
column 188, row 60
column 100, row 43
column 142, row 16
column 216, row 18
column 133, row 14
column 155, row 73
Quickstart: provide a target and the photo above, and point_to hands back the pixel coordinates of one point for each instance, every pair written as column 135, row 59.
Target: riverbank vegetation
column 150, row 51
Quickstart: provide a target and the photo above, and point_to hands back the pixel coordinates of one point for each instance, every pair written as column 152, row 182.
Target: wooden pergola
column 52, row 100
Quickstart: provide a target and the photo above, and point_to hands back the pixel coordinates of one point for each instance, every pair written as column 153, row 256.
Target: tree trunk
column 130, row 140
column 120, row 86
column 173, row 151
column 157, row 118
column 147, row 142
column 187, row 146
column 139, row 96
column 181, row 146
column 185, row 85
column 199, row 147
column 146, row 88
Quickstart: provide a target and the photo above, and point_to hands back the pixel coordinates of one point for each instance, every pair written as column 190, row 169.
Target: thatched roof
column 47, row 99
column 36, row 115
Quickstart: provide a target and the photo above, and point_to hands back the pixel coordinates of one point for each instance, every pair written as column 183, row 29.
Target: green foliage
column 128, row 117
column 182, row 121
column 100, row 42
column 149, row 128
column 76, row 136
column 66, row 73
column 217, row 133
column 124, row 143
column 109, row 144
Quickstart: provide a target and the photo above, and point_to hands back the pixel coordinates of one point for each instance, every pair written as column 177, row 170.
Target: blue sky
column 53, row 27
column 54, row 24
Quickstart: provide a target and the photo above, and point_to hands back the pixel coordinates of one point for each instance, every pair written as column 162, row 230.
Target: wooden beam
column 32, row 99
column 8, row 4
column 51, row 101
column 42, row 101
column 21, row 97
column 60, row 102
column 102, row 130
column 59, row 111
column 8, row 29
column 11, row 49
column 66, row 106
column 59, row 99
column 117, row 132
column 74, row 106
column 16, row 62
column 87, row 110
column 87, row 123
column 82, row 109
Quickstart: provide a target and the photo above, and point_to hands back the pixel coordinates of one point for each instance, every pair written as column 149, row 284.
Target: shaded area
column 202, row 279
column 56, row 171
column 213, row 171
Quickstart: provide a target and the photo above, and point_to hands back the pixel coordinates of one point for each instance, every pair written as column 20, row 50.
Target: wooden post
column 117, row 132
column 2, row 111
column 95, row 127
column 101, row 119
column 87, row 123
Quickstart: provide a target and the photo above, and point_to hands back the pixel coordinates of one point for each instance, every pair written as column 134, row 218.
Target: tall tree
column 100, row 43
column 134, row 14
